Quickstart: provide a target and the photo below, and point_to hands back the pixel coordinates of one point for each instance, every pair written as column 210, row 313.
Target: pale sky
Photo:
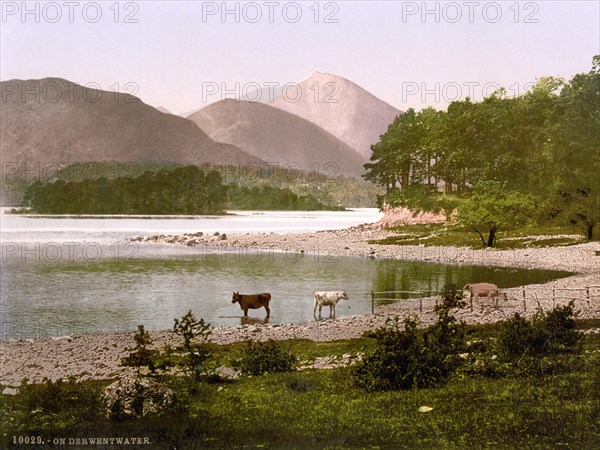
column 410, row 54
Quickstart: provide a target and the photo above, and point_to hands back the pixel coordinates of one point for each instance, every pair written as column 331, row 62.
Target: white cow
column 330, row 299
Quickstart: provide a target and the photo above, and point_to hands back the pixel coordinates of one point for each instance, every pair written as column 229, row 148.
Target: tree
column 396, row 156
column 492, row 207
column 575, row 152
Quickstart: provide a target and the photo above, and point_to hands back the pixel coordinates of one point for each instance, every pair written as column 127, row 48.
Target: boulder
column 136, row 397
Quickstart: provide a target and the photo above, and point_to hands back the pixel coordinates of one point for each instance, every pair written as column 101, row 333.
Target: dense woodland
column 501, row 162
column 180, row 190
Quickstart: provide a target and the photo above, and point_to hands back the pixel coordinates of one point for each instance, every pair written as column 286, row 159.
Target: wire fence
column 525, row 294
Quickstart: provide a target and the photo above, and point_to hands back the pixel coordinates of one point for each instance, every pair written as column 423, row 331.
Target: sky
column 184, row 55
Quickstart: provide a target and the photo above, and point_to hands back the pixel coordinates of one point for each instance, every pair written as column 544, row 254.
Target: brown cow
column 484, row 290
column 252, row 301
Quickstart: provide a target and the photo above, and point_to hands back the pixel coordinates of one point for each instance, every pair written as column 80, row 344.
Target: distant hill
column 162, row 109
column 278, row 136
column 52, row 122
column 342, row 108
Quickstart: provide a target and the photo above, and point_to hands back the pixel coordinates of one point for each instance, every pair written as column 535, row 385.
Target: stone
column 10, row 391
column 136, row 397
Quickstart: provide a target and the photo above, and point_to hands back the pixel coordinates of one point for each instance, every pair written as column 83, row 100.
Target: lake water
column 66, row 275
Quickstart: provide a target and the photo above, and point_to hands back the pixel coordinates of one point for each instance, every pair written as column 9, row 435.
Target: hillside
column 53, row 122
column 342, row 108
column 278, row 136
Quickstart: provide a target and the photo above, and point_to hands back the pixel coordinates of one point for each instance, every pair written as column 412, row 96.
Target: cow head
column 236, row 297
column 344, row 295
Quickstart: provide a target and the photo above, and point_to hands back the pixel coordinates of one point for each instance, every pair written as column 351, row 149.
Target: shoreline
column 97, row 356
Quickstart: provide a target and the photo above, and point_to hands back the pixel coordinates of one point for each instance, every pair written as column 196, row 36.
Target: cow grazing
column 252, row 301
column 489, row 290
column 329, row 299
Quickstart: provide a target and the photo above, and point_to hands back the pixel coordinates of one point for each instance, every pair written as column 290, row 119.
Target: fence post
column 372, row 302
column 524, row 301
column 420, row 305
column 587, row 294
column 553, row 296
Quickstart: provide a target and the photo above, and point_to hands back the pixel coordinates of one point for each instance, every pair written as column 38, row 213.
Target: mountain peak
column 342, row 108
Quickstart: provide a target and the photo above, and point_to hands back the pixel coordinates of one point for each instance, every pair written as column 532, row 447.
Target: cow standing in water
column 330, row 299
column 252, row 301
column 489, row 290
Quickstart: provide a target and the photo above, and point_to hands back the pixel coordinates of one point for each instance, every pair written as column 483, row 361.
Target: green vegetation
column 324, row 187
column 415, row 357
column 458, row 236
column 502, row 162
column 270, row 198
column 520, row 383
column 180, row 190
column 195, row 348
column 265, row 357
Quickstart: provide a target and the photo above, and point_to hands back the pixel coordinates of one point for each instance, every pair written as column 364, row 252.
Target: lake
column 67, row 275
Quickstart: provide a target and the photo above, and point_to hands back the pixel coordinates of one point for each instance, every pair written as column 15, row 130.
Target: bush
column 546, row 333
column 413, row 357
column 196, row 347
column 262, row 357
column 141, row 355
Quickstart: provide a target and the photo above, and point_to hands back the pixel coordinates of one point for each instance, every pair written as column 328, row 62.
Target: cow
column 484, row 290
column 330, row 299
column 252, row 301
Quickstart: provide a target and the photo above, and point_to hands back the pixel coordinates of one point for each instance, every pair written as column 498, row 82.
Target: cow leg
column 320, row 307
column 245, row 312
column 332, row 311
column 268, row 311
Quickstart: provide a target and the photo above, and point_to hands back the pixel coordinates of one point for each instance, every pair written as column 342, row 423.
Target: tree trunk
column 492, row 237
column 590, row 231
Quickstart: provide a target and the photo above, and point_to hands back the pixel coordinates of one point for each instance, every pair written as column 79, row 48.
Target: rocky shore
column 98, row 356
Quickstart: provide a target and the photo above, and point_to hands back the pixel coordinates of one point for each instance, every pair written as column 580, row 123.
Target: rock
column 10, row 391
column 191, row 242
column 137, row 397
column 216, row 233
column 223, row 237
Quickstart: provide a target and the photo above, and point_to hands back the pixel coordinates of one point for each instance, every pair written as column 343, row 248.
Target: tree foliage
column 182, row 190
column 542, row 148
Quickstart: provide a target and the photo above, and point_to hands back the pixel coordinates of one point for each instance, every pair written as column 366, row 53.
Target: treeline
column 540, row 150
column 322, row 184
column 271, row 198
column 179, row 191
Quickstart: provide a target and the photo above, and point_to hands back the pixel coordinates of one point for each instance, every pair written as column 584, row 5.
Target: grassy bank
column 324, row 409
column 459, row 236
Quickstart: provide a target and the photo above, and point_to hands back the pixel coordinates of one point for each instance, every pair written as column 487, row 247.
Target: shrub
column 544, row 334
column 262, row 357
column 413, row 357
column 141, row 355
column 196, row 347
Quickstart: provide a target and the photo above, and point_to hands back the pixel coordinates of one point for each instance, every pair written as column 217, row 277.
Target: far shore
column 97, row 356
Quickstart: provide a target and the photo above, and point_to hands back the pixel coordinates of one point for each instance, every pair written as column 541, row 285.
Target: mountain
column 162, row 109
column 52, row 122
column 340, row 107
column 277, row 136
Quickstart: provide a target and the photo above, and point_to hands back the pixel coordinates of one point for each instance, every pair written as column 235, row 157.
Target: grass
column 323, row 409
column 457, row 236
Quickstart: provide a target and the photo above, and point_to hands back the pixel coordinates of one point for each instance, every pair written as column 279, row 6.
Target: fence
column 523, row 293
